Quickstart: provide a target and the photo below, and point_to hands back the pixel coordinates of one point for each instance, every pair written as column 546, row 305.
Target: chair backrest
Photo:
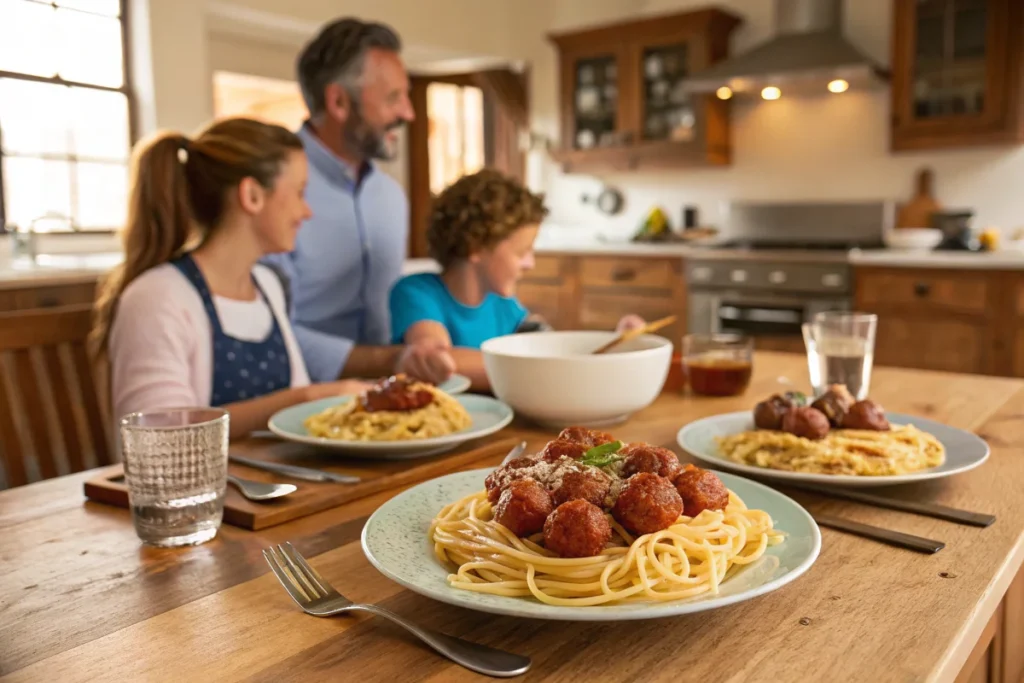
column 53, row 414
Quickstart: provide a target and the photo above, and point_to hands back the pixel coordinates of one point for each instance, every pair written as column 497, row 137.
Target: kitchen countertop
column 864, row 611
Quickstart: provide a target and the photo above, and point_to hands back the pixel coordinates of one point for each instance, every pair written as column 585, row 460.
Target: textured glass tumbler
column 175, row 464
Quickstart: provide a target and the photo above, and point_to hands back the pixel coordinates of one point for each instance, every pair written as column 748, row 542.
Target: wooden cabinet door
column 931, row 343
column 596, row 112
column 956, row 77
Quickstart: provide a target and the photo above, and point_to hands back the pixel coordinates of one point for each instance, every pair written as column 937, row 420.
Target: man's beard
column 361, row 137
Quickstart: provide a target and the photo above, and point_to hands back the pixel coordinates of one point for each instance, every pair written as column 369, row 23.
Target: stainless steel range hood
column 807, row 52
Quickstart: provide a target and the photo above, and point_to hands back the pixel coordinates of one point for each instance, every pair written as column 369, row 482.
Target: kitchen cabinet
column 582, row 292
column 622, row 96
column 952, row 320
column 26, row 296
column 957, row 73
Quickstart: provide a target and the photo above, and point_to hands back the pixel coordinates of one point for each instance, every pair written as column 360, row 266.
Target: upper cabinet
column 957, row 73
column 622, row 95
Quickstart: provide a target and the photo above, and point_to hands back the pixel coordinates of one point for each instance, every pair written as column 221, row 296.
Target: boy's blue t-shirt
column 424, row 296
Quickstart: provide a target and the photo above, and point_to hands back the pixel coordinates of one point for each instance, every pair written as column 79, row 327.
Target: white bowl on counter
column 553, row 377
column 912, row 239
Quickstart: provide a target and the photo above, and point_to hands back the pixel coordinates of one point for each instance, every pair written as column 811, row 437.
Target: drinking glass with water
column 175, row 465
column 841, row 350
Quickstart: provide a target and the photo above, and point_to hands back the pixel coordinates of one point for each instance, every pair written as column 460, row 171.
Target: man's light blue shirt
column 346, row 259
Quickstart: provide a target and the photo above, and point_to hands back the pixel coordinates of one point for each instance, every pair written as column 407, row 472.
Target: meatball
column 642, row 457
column 589, row 484
column 559, row 447
column 504, row 475
column 397, row 393
column 577, row 529
column 700, row 490
column 587, row 437
column 647, row 503
column 768, row 414
column 523, row 507
column 834, row 403
column 866, row 414
column 810, row 423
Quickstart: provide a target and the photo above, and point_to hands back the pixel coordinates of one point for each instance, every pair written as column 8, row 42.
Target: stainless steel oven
column 763, row 298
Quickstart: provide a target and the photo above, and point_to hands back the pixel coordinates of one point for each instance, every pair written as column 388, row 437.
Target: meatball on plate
column 831, row 439
column 541, row 549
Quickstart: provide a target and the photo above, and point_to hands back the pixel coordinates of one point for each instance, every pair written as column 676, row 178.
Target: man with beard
column 350, row 253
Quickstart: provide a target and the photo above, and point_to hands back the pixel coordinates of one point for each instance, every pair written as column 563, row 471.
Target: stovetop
column 794, row 245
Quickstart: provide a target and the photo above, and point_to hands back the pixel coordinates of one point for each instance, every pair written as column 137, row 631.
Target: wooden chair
column 53, row 418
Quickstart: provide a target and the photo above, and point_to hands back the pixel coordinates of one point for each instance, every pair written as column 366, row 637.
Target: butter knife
column 888, row 536
column 295, row 472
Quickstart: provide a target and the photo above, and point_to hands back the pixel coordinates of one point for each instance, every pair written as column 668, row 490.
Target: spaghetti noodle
column 900, row 450
column 692, row 557
column 351, row 421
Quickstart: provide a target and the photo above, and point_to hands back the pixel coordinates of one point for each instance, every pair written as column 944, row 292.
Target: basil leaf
column 603, row 455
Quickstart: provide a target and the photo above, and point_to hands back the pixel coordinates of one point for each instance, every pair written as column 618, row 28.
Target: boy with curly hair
column 481, row 230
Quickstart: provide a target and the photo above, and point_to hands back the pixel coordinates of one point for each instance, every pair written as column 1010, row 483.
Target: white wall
column 830, row 147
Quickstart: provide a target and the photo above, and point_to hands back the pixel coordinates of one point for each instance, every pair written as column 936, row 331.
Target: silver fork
column 315, row 596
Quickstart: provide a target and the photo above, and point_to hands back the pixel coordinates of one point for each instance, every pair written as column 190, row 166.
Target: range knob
column 832, row 280
column 738, row 276
column 701, row 273
column 777, row 277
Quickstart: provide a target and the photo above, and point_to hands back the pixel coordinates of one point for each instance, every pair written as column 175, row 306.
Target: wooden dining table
column 81, row 599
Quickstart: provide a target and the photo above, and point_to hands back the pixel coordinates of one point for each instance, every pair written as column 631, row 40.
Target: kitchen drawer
column 545, row 268
column 653, row 273
column 960, row 292
column 603, row 311
column 927, row 343
column 545, row 300
column 52, row 296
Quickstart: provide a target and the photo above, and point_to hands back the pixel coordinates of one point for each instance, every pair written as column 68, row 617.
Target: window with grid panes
column 65, row 131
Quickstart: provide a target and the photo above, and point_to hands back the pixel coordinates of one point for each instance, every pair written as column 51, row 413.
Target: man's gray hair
column 337, row 55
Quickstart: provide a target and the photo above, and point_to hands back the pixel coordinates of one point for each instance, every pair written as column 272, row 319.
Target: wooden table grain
column 82, row 600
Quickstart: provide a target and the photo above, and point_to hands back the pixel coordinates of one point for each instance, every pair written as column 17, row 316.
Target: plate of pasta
column 832, row 439
column 591, row 529
column 397, row 418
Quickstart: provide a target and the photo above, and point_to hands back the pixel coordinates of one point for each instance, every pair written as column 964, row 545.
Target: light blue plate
column 456, row 384
column 964, row 451
column 396, row 543
column 488, row 414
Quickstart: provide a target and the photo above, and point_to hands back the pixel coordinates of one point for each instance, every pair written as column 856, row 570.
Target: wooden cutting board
column 108, row 486
column 917, row 213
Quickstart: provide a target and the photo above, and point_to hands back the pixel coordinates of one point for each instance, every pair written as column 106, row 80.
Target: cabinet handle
column 623, row 275
column 49, row 302
column 922, row 289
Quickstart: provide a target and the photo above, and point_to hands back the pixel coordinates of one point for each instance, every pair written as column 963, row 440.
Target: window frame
column 125, row 89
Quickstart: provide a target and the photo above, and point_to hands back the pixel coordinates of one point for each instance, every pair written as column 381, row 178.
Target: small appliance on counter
column 957, row 233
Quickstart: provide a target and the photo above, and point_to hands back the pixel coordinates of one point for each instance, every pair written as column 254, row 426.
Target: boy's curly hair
column 477, row 212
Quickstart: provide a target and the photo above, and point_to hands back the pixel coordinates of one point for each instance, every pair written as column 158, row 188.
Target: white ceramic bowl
column 912, row 239
column 553, row 378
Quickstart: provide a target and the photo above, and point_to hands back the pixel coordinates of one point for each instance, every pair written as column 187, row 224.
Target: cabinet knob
column 623, row 275
column 922, row 289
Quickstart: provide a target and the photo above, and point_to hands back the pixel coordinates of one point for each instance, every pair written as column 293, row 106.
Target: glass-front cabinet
column 957, row 73
column 623, row 98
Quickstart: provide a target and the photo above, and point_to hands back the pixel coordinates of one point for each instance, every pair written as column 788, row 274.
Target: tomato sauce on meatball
column 643, row 457
column 577, row 529
column 562, row 447
column 647, row 503
column 523, row 507
column 700, row 490
column 504, row 475
column 587, row 437
column 589, row 484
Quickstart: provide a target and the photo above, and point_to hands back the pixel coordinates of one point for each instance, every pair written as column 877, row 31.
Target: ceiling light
column 838, row 85
column 724, row 93
column 771, row 93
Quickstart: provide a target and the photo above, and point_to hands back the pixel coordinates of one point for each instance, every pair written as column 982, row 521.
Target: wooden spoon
column 633, row 334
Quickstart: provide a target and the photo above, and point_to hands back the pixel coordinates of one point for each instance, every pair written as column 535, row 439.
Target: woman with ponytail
column 190, row 318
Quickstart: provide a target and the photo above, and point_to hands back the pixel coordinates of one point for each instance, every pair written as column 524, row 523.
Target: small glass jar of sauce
column 718, row 364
